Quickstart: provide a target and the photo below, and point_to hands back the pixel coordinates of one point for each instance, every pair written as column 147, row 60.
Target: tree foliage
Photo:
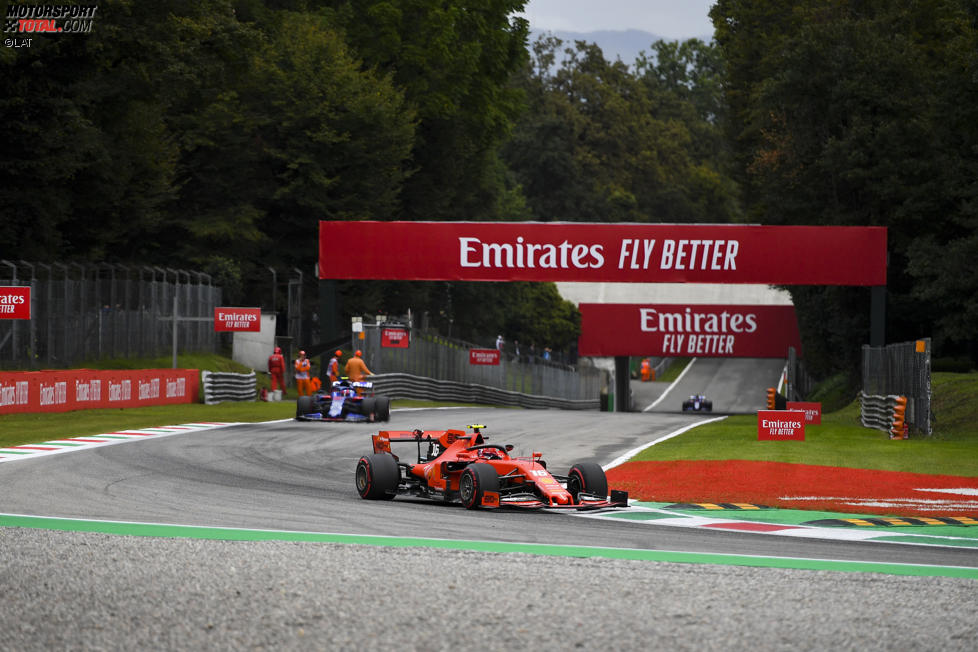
column 605, row 142
column 864, row 113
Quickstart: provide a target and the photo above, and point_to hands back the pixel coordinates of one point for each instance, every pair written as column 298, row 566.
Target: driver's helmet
column 343, row 387
column 488, row 454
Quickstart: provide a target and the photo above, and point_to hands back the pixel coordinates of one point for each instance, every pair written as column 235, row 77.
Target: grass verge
column 842, row 441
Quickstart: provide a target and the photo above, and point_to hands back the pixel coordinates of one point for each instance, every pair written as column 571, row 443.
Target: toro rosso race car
column 458, row 467
column 697, row 403
column 346, row 401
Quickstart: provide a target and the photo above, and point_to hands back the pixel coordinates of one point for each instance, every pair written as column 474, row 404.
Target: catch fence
column 91, row 312
column 901, row 370
column 441, row 358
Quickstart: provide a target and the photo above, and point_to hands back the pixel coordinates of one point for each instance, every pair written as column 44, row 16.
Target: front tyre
column 305, row 405
column 377, row 476
column 474, row 482
column 587, row 478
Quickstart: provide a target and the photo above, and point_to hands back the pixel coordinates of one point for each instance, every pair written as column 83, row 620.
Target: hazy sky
column 670, row 19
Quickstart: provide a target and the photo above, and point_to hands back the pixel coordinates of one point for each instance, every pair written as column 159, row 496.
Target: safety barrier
column 81, row 389
column 398, row 385
column 902, row 369
column 886, row 413
column 220, row 386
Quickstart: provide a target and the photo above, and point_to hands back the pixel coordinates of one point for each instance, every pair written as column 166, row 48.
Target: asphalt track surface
column 735, row 385
column 96, row 591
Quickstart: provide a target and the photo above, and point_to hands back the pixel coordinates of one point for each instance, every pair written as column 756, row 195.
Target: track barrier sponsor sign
column 15, row 302
column 813, row 411
column 780, row 425
column 484, row 356
column 237, row 319
column 396, row 338
column 81, row 389
column 760, row 331
column 573, row 251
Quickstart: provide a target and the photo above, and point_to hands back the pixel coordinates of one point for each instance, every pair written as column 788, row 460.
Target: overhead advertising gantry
column 624, row 253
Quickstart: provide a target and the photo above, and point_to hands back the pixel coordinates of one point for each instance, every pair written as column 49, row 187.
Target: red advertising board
column 762, row 331
column 15, row 302
column 81, row 389
column 573, row 251
column 780, row 425
column 813, row 411
column 484, row 356
column 237, row 319
column 395, row 338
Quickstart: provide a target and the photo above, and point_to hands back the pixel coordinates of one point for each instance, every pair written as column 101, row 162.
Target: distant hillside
column 615, row 44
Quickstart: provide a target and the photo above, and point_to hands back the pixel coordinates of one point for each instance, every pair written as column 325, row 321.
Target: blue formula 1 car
column 346, row 401
column 697, row 403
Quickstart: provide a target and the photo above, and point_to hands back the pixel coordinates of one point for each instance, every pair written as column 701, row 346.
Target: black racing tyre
column 589, row 478
column 708, row 406
column 377, row 476
column 368, row 408
column 305, row 405
column 474, row 482
column 383, row 408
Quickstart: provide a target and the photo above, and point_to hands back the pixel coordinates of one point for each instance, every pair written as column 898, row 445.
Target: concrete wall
column 253, row 349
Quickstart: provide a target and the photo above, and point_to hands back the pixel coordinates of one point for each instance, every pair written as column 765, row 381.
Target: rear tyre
column 383, row 408
column 588, row 478
column 304, row 405
column 474, row 482
column 377, row 476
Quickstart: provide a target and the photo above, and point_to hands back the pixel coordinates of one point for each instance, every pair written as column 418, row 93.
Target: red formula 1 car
column 455, row 466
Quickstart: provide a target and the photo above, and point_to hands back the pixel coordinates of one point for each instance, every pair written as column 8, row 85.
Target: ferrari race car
column 697, row 403
column 458, row 467
column 346, row 401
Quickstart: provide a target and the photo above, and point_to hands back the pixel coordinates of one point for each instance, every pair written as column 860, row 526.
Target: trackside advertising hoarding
column 781, row 425
column 237, row 319
column 573, row 251
column 81, row 389
column 484, row 356
column 15, row 302
column 713, row 331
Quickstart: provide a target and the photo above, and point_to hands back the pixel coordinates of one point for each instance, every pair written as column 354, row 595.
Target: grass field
column 842, row 441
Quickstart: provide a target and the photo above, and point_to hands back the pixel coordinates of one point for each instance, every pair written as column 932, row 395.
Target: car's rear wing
column 383, row 439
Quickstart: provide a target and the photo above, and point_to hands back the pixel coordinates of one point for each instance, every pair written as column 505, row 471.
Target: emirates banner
column 573, row 251
column 237, row 319
column 812, row 410
column 781, row 425
column 484, row 356
column 15, row 302
column 395, row 338
column 712, row 331
column 81, row 389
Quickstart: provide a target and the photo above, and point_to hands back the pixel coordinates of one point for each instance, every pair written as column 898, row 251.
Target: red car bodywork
column 454, row 467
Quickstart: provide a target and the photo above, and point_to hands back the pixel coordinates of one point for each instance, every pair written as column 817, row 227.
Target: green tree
column 601, row 143
column 453, row 60
column 863, row 113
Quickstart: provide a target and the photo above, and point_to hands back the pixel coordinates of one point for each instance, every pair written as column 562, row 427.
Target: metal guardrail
column 220, row 386
column 398, row 385
column 876, row 411
column 445, row 359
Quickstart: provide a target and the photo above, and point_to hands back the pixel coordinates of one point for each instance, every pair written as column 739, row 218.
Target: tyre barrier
column 220, row 386
column 398, row 385
column 886, row 413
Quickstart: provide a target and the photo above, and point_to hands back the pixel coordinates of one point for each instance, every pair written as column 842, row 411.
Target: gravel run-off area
column 88, row 591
